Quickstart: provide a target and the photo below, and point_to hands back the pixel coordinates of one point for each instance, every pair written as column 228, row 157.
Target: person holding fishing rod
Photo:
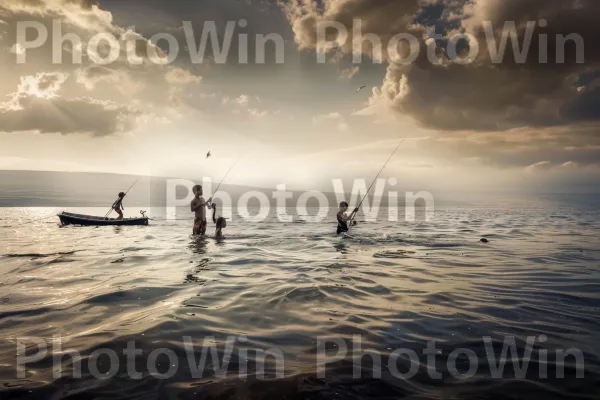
column 197, row 206
column 343, row 218
column 118, row 204
column 344, row 222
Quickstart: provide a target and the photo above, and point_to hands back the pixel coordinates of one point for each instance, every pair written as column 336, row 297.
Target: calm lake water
column 308, row 299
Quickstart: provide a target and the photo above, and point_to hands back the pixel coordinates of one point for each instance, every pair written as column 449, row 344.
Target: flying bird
column 208, row 154
column 361, row 88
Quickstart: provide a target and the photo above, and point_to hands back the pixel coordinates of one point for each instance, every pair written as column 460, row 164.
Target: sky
column 471, row 121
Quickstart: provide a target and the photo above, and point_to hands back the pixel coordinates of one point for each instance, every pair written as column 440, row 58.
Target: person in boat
column 220, row 222
column 198, row 207
column 118, row 205
column 343, row 218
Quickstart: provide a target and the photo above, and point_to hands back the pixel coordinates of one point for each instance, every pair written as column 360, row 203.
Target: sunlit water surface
column 285, row 286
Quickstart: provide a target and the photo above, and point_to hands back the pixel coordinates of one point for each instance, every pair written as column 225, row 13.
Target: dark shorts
column 199, row 227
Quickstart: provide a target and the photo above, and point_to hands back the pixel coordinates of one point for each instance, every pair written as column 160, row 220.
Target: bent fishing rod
column 375, row 180
column 130, row 187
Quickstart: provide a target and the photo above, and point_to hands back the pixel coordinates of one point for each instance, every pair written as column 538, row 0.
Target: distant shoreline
column 21, row 188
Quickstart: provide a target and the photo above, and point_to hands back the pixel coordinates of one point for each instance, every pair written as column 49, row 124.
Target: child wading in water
column 118, row 205
column 343, row 219
column 198, row 208
column 219, row 222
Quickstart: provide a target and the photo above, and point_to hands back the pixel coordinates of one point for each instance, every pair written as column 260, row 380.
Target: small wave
column 433, row 243
column 136, row 248
column 395, row 254
column 39, row 255
column 285, row 285
column 130, row 297
column 520, row 232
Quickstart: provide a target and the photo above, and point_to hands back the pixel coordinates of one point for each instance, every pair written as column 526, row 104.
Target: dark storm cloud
column 166, row 16
column 482, row 95
column 384, row 18
column 585, row 107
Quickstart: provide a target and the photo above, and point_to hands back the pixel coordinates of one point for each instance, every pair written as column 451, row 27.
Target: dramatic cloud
column 484, row 94
column 384, row 18
column 97, row 99
column 484, row 117
column 66, row 116
column 44, row 85
column 37, row 107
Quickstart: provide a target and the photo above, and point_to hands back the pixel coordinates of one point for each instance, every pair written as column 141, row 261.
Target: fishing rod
column 226, row 174
column 375, row 180
column 130, row 187
column 53, row 215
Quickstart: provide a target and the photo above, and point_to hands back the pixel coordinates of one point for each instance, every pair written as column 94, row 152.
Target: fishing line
column 225, row 177
column 53, row 215
column 375, row 180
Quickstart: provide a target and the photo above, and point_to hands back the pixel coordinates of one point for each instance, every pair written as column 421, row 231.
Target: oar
column 130, row 187
column 375, row 180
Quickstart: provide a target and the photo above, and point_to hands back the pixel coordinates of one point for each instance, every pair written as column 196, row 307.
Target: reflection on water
column 198, row 244
column 304, row 293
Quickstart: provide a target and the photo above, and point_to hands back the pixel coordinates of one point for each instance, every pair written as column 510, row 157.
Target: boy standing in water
column 198, row 208
column 118, row 205
column 343, row 219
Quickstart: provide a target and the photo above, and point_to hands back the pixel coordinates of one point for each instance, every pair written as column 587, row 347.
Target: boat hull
column 88, row 220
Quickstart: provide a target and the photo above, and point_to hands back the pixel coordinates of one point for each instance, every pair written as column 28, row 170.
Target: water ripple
column 300, row 289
